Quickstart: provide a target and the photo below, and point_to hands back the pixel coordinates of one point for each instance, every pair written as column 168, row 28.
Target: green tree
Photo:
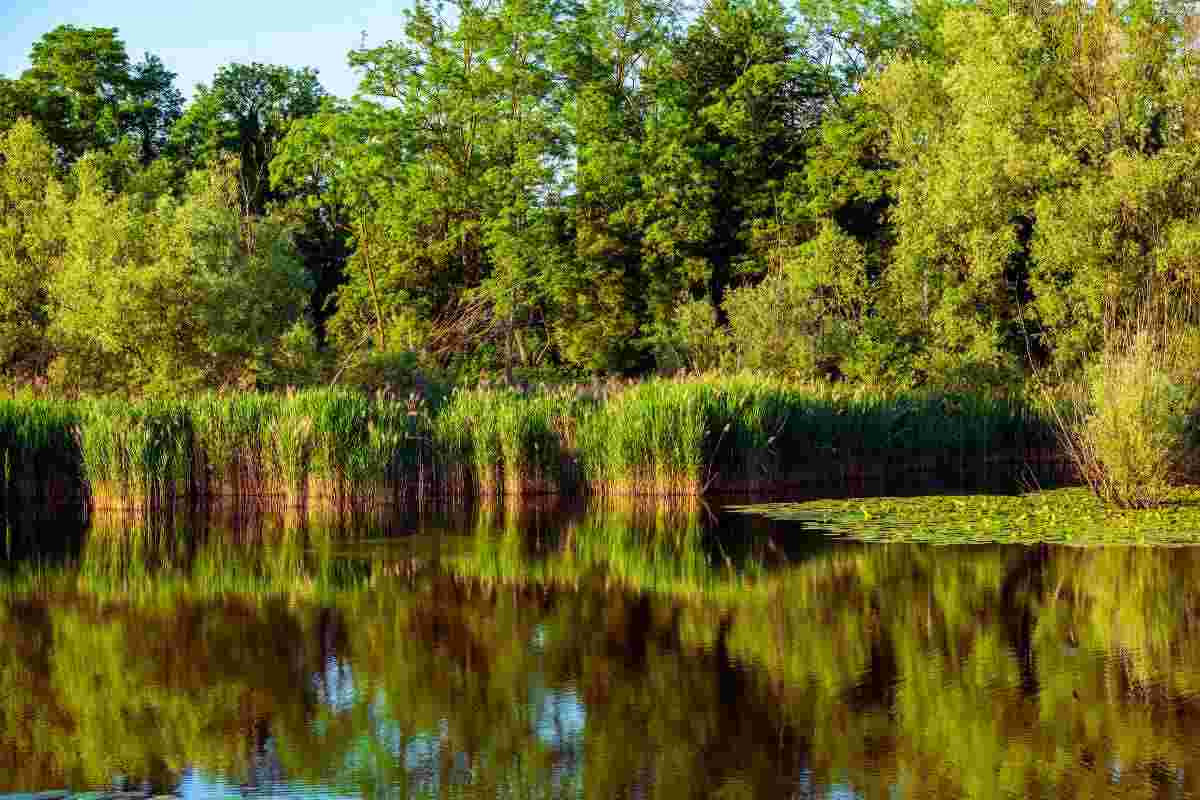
column 183, row 295
column 151, row 107
column 599, row 299
column 1040, row 164
column 738, row 102
column 87, row 71
column 85, row 96
column 32, row 218
column 454, row 216
column 246, row 112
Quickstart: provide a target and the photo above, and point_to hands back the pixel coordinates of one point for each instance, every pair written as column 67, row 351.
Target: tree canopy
column 949, row 192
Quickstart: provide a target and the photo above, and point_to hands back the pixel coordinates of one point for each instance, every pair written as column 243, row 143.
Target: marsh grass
column 663, row 438
column 504, row 442
column 747, row 435
column 40, row 458
column 138, row 456
column 1129, row 426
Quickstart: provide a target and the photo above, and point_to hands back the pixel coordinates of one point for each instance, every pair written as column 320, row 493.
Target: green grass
column 504, row 443
column 747, row 435
column 741, row 434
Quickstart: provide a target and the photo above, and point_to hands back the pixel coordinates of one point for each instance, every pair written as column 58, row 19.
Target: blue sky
column 194, row 37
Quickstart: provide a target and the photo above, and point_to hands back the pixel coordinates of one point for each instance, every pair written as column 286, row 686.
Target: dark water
column 640, row 653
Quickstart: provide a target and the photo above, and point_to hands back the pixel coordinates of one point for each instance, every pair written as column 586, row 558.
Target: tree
column 84, row 95
column 738, row 103
column 151, row 107
column 599, row 298
column 32, row 217
column 184, row 295
column 246, row 112
column 89, row 68
column 453, row 149
column 1040, row 173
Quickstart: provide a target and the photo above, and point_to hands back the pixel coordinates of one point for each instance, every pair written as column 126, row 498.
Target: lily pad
column 1063, row 516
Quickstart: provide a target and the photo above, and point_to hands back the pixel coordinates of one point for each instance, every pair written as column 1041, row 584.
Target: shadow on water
column 605, row 651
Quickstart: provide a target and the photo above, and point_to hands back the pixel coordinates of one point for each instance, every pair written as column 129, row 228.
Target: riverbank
column 737, row 435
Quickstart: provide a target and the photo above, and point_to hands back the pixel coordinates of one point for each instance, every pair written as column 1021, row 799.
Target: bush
column 1129, row 428
column 692, row 339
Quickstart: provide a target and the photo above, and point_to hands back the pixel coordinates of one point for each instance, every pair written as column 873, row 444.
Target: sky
column 194, row 37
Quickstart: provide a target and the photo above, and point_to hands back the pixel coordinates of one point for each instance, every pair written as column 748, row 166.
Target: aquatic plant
column 742, row 434
column 749, row 434
column 1072, row 516
column 40, row 459
column 138, row 455
column 502, row 441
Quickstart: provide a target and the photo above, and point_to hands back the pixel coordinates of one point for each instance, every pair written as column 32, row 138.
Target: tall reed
column 503, row 442
column 743, row 434
column 137, row 456
column 234, row 444
column 40, row 459
column 362, row 448
column 647, row 440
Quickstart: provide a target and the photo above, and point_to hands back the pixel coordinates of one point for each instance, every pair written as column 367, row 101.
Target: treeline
column 937, row 194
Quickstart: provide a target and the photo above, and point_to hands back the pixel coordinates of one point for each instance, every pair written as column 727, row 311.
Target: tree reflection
column 616, row 652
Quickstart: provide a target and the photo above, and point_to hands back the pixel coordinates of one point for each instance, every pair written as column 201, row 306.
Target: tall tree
column 600, row 299
column 246, row 112
column 86, row 71
column 738, row 102
column 182, row 295
column 151, row 107
column 461, row 140
column 84, row 95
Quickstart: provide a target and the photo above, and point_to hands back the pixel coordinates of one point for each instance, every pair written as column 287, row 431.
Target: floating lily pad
column 1062, row 516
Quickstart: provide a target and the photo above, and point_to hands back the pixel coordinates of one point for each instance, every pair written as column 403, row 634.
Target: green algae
column 1071, row 516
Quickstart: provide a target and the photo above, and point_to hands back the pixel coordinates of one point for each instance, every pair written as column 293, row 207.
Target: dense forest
column 940, row 194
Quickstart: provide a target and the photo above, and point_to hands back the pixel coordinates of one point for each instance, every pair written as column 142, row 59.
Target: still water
column 604, row 653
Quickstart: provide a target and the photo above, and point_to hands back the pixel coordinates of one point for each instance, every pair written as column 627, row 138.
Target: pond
column 602, row 652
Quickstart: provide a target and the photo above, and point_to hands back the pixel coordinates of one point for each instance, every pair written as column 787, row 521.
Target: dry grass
column 1128, row 426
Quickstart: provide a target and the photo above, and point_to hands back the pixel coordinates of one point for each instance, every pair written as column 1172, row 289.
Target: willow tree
column 32, row 216
column 1042, row 170
column 179, row 296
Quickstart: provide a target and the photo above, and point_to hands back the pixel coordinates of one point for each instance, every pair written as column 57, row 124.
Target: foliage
column 245, row 113
column 179, row 296
column 32, row 215
column 85, row 95
column 944, row 195
column 1063, row 516
column 1130, row 430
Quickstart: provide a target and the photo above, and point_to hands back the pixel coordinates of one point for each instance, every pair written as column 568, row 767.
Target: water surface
column 549, row 652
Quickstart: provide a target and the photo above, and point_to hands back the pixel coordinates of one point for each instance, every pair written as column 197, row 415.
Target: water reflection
column 618, row 652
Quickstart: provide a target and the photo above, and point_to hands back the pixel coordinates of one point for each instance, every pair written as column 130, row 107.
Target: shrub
column 692, row 339
column 1128, row 427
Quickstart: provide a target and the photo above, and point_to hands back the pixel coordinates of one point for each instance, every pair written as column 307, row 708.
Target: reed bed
column 506, row 443
column 137, row 456
column 40, row 459
column 743, row 435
